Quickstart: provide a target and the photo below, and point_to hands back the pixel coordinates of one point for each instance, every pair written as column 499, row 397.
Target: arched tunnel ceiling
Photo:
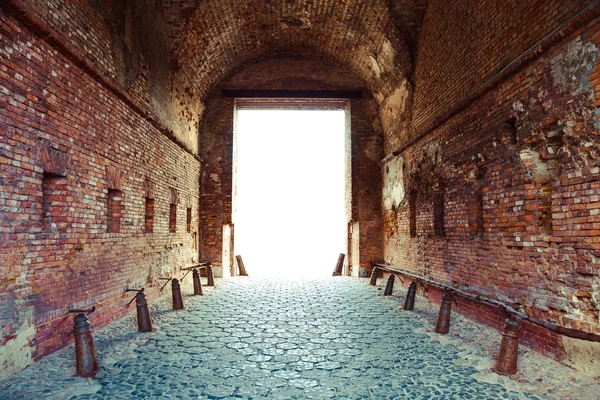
column 374, row 38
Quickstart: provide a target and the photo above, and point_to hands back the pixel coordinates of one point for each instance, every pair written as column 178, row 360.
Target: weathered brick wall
column 363, row 36
column 309, row 74
column 230, row 37
column 519, row 173
column 366, row 149
column 64, row 135
column 125, row 42
column 104, row 104
column 83, row 24
column 216, row 142
column 464, row 44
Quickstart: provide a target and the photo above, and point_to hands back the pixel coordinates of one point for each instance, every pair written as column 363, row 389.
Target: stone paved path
column 276, row 339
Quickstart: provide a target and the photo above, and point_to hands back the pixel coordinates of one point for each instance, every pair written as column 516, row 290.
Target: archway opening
column 289, row 191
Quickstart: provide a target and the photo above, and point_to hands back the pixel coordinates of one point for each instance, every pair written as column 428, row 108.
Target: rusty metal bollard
column 177, row 298
column 143, row 314
column 85, row 351
column 241, row 267
column 389, row 287
column 339, row 266
column 197, row 283
column 210, row 275
column 509, row 348
column 373, row 281
column 443, row 322
column 409, row 303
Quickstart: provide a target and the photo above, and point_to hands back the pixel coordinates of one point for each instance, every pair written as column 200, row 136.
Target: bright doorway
column 290, row 208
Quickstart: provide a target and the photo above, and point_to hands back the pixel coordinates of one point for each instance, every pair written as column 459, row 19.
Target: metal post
column 443, row 322
column 373, row 281
column 509, row 348
column 210, row 275
column 409, row 303
column 177, row 298
column 197, row 283
column 85, row 351
column 389, row 287
column 339, row 266
column 241, row 267
column 143, row 314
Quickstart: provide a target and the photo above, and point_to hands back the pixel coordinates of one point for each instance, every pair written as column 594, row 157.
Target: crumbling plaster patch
column 382, row 64
column 572, row 69
column 376, row 68
column 394, row 113
column 393, row 186
column 595, row 295
column 534, row 164
column 570, row 73
column 372, row 148
column 567, row 99
column 386, row 56
column 16, row 353
column 379, row 97
column 395, row 104
column 582, row 355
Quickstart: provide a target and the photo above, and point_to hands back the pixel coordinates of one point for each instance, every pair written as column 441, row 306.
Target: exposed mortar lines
column 533, row 53
column 40, row 29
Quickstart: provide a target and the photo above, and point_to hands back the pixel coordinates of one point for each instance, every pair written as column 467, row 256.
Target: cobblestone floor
column 253, row 338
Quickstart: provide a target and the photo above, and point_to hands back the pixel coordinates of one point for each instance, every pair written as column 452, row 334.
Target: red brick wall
column 125, row 43
column 85, row 25
column 56, row 118
column 591, row 32
column 465, row 43
column 537, row 182
column 367, row 150
column 216, row 142
column 219, row 38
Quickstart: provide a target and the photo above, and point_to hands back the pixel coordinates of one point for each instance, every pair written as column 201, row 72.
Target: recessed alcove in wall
column 188, row 220
column 149, row 216
column 172, row 218
column 289, row 188
column 114, row 210
column 54, row 203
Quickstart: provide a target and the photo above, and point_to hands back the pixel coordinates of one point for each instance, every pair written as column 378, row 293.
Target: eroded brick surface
column 463, row 45
column 64, row 136
column 519, row 173
column 498, row 144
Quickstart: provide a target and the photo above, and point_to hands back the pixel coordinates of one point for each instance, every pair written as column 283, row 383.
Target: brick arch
column 220, row 36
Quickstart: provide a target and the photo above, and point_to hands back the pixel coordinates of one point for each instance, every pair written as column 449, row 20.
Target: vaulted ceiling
column 375, row 38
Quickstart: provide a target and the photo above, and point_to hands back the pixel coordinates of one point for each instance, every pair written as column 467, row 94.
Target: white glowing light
column 290, row 208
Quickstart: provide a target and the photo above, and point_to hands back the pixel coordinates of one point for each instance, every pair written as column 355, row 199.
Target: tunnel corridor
column 470, row 163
